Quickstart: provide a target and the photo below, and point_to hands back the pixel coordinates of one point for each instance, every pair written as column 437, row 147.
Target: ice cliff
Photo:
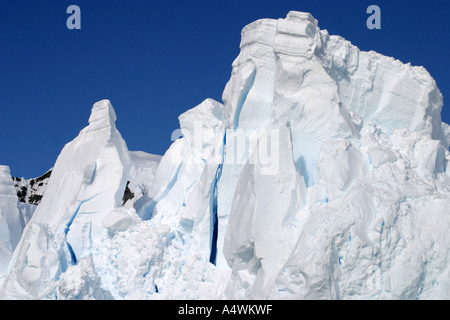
column 323, row 175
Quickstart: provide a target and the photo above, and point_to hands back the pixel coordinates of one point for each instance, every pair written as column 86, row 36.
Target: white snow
column 87, row 182
column 10, row 219
column 324, row 175
column 142, row 172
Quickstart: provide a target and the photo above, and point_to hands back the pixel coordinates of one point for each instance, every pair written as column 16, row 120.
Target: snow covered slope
column 323, row 175
column 31, row 191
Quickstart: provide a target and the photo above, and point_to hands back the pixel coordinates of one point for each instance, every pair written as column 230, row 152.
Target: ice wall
column 362, row 127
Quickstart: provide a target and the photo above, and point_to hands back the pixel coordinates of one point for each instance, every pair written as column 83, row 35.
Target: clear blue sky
column 156, row 59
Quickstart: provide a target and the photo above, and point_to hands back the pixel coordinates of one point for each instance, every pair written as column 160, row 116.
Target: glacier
column 322, row 175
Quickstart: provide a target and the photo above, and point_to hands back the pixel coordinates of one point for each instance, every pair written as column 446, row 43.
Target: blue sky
column 156, row 59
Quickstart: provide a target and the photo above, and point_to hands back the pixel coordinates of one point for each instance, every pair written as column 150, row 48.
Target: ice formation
column 323, row 175
column 10, row 223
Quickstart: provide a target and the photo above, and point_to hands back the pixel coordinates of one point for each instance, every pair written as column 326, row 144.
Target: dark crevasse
column 214, row 220
column 214, row 217
column 72, row 254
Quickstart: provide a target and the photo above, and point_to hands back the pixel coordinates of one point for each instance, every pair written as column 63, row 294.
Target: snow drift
column 323, row 175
